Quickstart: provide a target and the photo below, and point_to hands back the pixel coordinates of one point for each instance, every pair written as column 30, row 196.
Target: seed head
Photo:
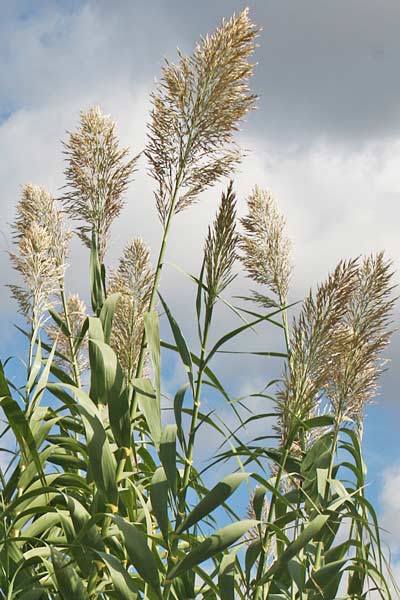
column 133, row 280
column 313, row 346
column 266, row 248
column 220, row 247
column 38, row 206
column 98, row 173
column 196, row 110
column 41, row 275
column 360, row 339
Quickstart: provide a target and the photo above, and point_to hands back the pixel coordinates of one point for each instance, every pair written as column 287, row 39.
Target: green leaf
column 139, row 553
column 102, row 461
column 107, row 315
column 310, row 532
column 226, row 576
column 252, row 553
column 19, row 425
column 237, row 331
column 37, row 363
column 108, row 388
column 159, row 500
column 68, row 581
column 326, row 579
column 122, row 582
column 150, row 407
column 213, row 499
column 96, row 285
column 180, row 343
column 168, row 455
column 178, row 404
column 217, row 542
column 152, row 328
column 60, row 322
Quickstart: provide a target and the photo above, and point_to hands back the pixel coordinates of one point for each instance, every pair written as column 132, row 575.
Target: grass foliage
column 102, row 497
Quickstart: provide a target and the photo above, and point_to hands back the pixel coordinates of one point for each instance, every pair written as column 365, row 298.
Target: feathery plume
column 266, row 248
column 98, row 173
column 35, row 261
column 313, row 346
column 76, row 310
column 196, row 110
column 133, row 280
column 38, row 206
column 220, row 247
column 360, row 339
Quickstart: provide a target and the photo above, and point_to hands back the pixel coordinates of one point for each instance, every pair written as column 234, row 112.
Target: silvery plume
column 313, row 347
column 132, row 280
column 41, row 247
column 265, row 245
column 360, row 339
column 196, row 110
column 98, row 173
column 220, row 246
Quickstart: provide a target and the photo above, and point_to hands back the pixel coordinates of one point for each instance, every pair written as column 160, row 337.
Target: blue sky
column 325, row 140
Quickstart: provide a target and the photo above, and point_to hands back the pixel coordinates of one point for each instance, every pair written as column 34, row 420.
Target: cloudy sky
column 325, row 139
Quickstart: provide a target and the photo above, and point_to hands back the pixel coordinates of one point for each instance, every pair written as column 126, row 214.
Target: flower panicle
column 34, row 260
column 360, row 340
column 265, row 245
column 132, row 280
column 197, row 108
column 312, row 343
column 98, row 173
column 220, row 246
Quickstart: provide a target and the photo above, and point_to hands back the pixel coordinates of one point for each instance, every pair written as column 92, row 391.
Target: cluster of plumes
column 265, row 245
column 133, row 281
column 337, row 341
column 98, row 173
column 220, row 247
column 41, row 251
column 76, row 311
column 196, row 111
column 360, row 340
column 312, row 356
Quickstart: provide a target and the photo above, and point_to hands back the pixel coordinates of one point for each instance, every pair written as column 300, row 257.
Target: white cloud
column 390, row 506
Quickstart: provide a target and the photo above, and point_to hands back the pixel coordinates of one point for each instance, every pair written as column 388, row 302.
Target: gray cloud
column 325, row 138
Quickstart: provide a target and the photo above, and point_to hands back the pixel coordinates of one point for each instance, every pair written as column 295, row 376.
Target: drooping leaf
column 215, row 497
column 107, row 315
column 150, row 407
column 159, row 500
column 68, row 581
column 168, row 455
column 139, row 553
column 217, row 542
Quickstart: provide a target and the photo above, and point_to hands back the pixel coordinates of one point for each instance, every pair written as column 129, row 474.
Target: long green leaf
column 150, row 407
column 215, row 497
column 139, row 553
column 217, row 542
column 68, row 581
column 159, row 500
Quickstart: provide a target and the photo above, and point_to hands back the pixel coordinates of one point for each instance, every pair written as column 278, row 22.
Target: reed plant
column 104, row 496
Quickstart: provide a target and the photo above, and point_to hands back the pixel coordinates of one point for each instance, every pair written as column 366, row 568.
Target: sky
column 325, row 139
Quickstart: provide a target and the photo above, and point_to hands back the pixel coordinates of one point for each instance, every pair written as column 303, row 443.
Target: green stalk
column 195, row 413
column 157, row 277
column 264, row 548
